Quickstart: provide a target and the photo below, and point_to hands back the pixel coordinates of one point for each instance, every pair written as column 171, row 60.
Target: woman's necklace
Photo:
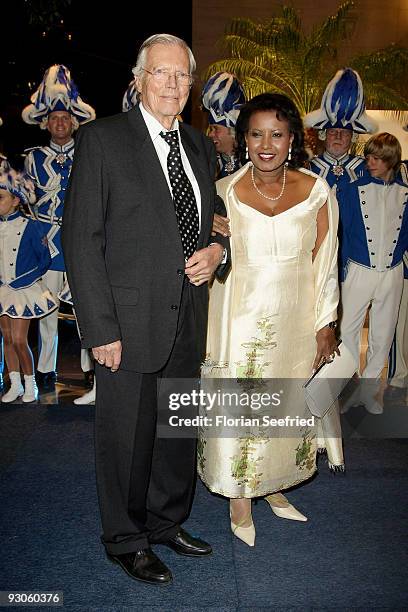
column 262, row 194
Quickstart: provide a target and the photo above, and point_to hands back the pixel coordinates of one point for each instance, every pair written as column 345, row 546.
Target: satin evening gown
column 262, row 324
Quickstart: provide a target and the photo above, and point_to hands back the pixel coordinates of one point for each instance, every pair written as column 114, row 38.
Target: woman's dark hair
column 286, row 111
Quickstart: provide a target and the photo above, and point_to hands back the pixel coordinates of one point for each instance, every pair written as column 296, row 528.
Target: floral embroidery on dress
column 244, row 466
column 305, row 451
column 253, row 366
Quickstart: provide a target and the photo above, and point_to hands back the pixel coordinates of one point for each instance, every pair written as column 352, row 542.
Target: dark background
column 98, row 45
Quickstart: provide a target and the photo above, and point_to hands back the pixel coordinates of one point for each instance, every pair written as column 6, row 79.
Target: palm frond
column 278, row 56
column 290, row 15
column 271, row 77
column 276, row 32
column 334, row 28
column 388, row 64
column 381, row 96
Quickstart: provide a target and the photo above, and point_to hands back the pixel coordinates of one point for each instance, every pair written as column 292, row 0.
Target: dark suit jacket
column 121, row 240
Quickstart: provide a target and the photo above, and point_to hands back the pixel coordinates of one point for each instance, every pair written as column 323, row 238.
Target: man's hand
column 203, row 263
column 220, row 226
column 326, row 346
column 109, row 355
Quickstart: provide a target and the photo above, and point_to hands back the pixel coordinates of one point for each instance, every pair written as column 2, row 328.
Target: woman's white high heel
column 282, row 508
column 246, row 534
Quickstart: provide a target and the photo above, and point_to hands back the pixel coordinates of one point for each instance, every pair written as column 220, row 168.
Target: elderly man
column 139, row 211
column 57, row 107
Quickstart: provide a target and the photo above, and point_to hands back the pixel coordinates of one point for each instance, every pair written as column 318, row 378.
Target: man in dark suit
column 137, row 244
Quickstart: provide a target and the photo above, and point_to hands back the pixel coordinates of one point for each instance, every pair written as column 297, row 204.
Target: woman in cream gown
column 271, row 317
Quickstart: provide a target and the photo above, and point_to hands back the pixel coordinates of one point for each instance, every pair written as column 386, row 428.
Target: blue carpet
column 350, row 555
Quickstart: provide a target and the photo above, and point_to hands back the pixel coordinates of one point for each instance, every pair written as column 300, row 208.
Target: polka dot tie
column 183, row 195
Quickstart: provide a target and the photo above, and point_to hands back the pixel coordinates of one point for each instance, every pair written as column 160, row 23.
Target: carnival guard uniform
column 339, row 172
column 374, row 237
column 49, row 167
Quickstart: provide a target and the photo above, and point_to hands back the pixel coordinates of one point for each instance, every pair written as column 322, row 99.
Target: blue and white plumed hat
column 130, row 97
column 342, row 105
column 57, row 92
column 222, row 97
column 17, row 183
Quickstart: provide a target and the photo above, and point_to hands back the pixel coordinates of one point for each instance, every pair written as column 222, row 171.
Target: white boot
column 87, row 398
column 31, row 390
column 16, row 389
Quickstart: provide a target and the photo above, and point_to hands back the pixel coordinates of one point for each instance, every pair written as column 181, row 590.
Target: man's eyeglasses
column 162, row 75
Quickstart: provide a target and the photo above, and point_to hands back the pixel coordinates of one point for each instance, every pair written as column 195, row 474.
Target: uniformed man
column 222, row 97
column 57, row 107
column 374, row 238
column 339, row 120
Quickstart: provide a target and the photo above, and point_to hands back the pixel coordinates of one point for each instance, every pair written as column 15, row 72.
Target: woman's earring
column 246, row 152
column 290, row 153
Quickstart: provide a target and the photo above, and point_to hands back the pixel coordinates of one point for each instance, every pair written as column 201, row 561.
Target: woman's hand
column 220, row 226
column 326, row 346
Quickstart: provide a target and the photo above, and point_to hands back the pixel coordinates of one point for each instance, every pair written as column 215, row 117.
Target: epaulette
column 322, row 165
column 351, row 167
column 29, row 149
column 403, row 170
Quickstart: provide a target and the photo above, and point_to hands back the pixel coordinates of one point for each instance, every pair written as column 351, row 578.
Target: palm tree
column 384, row 75
column 277, row 56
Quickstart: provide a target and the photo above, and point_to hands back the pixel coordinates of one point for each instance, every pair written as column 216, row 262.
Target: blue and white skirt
column 32, row 302
column 65, row 293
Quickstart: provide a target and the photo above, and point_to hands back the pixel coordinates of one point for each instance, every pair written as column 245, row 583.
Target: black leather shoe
column 46, row 380
column 185, row 544
column 143, row 565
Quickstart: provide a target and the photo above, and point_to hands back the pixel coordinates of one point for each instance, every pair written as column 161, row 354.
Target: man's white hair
column 161, row 39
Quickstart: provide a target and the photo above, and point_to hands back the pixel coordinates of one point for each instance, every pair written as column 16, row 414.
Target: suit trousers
column 145, row 483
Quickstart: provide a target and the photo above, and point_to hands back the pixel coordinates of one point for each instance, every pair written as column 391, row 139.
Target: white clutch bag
column 324, row 387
